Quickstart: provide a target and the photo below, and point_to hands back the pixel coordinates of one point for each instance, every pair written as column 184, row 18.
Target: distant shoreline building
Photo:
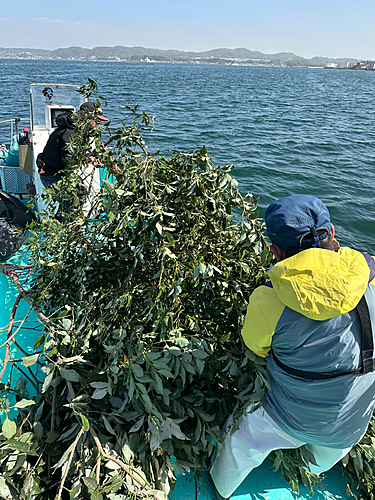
column 361, row 65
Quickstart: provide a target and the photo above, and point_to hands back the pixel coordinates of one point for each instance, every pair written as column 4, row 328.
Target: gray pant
column 250, row 445
column 48, row 180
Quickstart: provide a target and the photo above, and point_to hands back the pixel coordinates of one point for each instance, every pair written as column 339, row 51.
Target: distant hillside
column 135, row 54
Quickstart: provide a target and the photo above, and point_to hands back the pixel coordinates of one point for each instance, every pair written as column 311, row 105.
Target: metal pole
column 17, row 121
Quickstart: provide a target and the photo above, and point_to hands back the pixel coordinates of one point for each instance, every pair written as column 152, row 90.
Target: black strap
column 367, row 352
column 368, row 361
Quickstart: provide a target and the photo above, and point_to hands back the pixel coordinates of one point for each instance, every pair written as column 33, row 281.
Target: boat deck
column 263, row 484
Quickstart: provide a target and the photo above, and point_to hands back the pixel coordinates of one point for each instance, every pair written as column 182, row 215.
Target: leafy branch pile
column 142, row 290
column 145, row 290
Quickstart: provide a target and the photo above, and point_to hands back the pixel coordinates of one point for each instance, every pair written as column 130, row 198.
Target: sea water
column 286, row 130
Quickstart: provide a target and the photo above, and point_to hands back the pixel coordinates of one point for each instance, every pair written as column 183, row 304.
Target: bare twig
column 97, row 473
column 100, row 448
column 52, row 428
column 10, row 328
column 13, row 276
column 68, row 464
column 18, row 329
column 4, row 268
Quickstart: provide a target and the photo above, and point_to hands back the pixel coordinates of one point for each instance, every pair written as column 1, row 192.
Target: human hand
column 94, row 161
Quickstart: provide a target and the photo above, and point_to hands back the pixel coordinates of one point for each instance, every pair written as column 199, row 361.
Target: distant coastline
column 229, row 57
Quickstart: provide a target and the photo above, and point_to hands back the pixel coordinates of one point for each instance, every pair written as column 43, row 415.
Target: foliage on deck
column 142, row 290
column 145, row 296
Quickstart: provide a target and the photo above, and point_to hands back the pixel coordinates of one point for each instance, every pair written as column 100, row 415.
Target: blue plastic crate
column 13, row 179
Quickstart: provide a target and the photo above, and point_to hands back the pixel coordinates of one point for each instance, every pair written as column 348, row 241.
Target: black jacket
column 14, row 211
column 14, row 217
column 55, row 152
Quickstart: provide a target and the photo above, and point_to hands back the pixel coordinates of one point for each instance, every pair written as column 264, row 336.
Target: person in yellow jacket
column 314, row 322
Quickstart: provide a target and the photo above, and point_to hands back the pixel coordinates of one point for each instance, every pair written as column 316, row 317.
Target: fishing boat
column 18, row 164
column 47, row 101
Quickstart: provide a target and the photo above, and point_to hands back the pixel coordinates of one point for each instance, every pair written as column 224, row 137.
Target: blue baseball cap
column 290, row 219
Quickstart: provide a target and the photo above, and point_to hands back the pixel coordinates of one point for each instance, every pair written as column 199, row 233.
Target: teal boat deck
column 262, row 484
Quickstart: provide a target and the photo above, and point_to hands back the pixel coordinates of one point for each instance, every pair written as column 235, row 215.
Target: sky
column 308, row 28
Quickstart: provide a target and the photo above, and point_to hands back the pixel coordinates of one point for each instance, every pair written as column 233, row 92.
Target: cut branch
column 63, row 479
column 100, row 448
column 10, row 328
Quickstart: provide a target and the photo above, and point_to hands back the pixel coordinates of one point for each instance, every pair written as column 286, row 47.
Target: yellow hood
column 321, row 284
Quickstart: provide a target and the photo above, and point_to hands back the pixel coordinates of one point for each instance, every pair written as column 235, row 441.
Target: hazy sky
column 334, row 28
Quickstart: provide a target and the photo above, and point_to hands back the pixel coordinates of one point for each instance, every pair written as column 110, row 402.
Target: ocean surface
column 286, row 130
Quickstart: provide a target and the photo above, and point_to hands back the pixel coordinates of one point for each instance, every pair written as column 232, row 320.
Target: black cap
column 89, row 108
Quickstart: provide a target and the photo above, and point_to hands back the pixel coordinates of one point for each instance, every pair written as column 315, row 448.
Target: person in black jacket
column 52, row 161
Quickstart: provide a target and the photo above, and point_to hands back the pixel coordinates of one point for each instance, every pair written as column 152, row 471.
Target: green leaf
column 70, row 375
column 70, row 433
column 99, row 393
column 20, row 446
column 67, row 324
column 39, row 341
column 4, row 490
column 137, row 425
column 9, row 428
column 65, row 456
column 99, row 385
column 137, row 370
column 24, row 403
column 198, row 353
column 181, row 342
column 47, row 382
column 90, row 483
column 52, row 437
column 345, row 460
column 200, row 269
column 200, row 365
column 166, row 373
column 108, row 426
column 198, row 430
column 30, row 360
column 85, row 423
column 158, row 384
column 175, row 351
column 74, row 492
column 152, row 356
column 39, row 412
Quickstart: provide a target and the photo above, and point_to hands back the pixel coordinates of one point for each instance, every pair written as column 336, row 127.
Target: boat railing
column 13, row 125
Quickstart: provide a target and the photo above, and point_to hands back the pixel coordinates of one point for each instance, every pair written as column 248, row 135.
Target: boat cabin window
column 53, row 112
column 49, row 100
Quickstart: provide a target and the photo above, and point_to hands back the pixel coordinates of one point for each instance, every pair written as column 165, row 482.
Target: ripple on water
column 287, row 130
